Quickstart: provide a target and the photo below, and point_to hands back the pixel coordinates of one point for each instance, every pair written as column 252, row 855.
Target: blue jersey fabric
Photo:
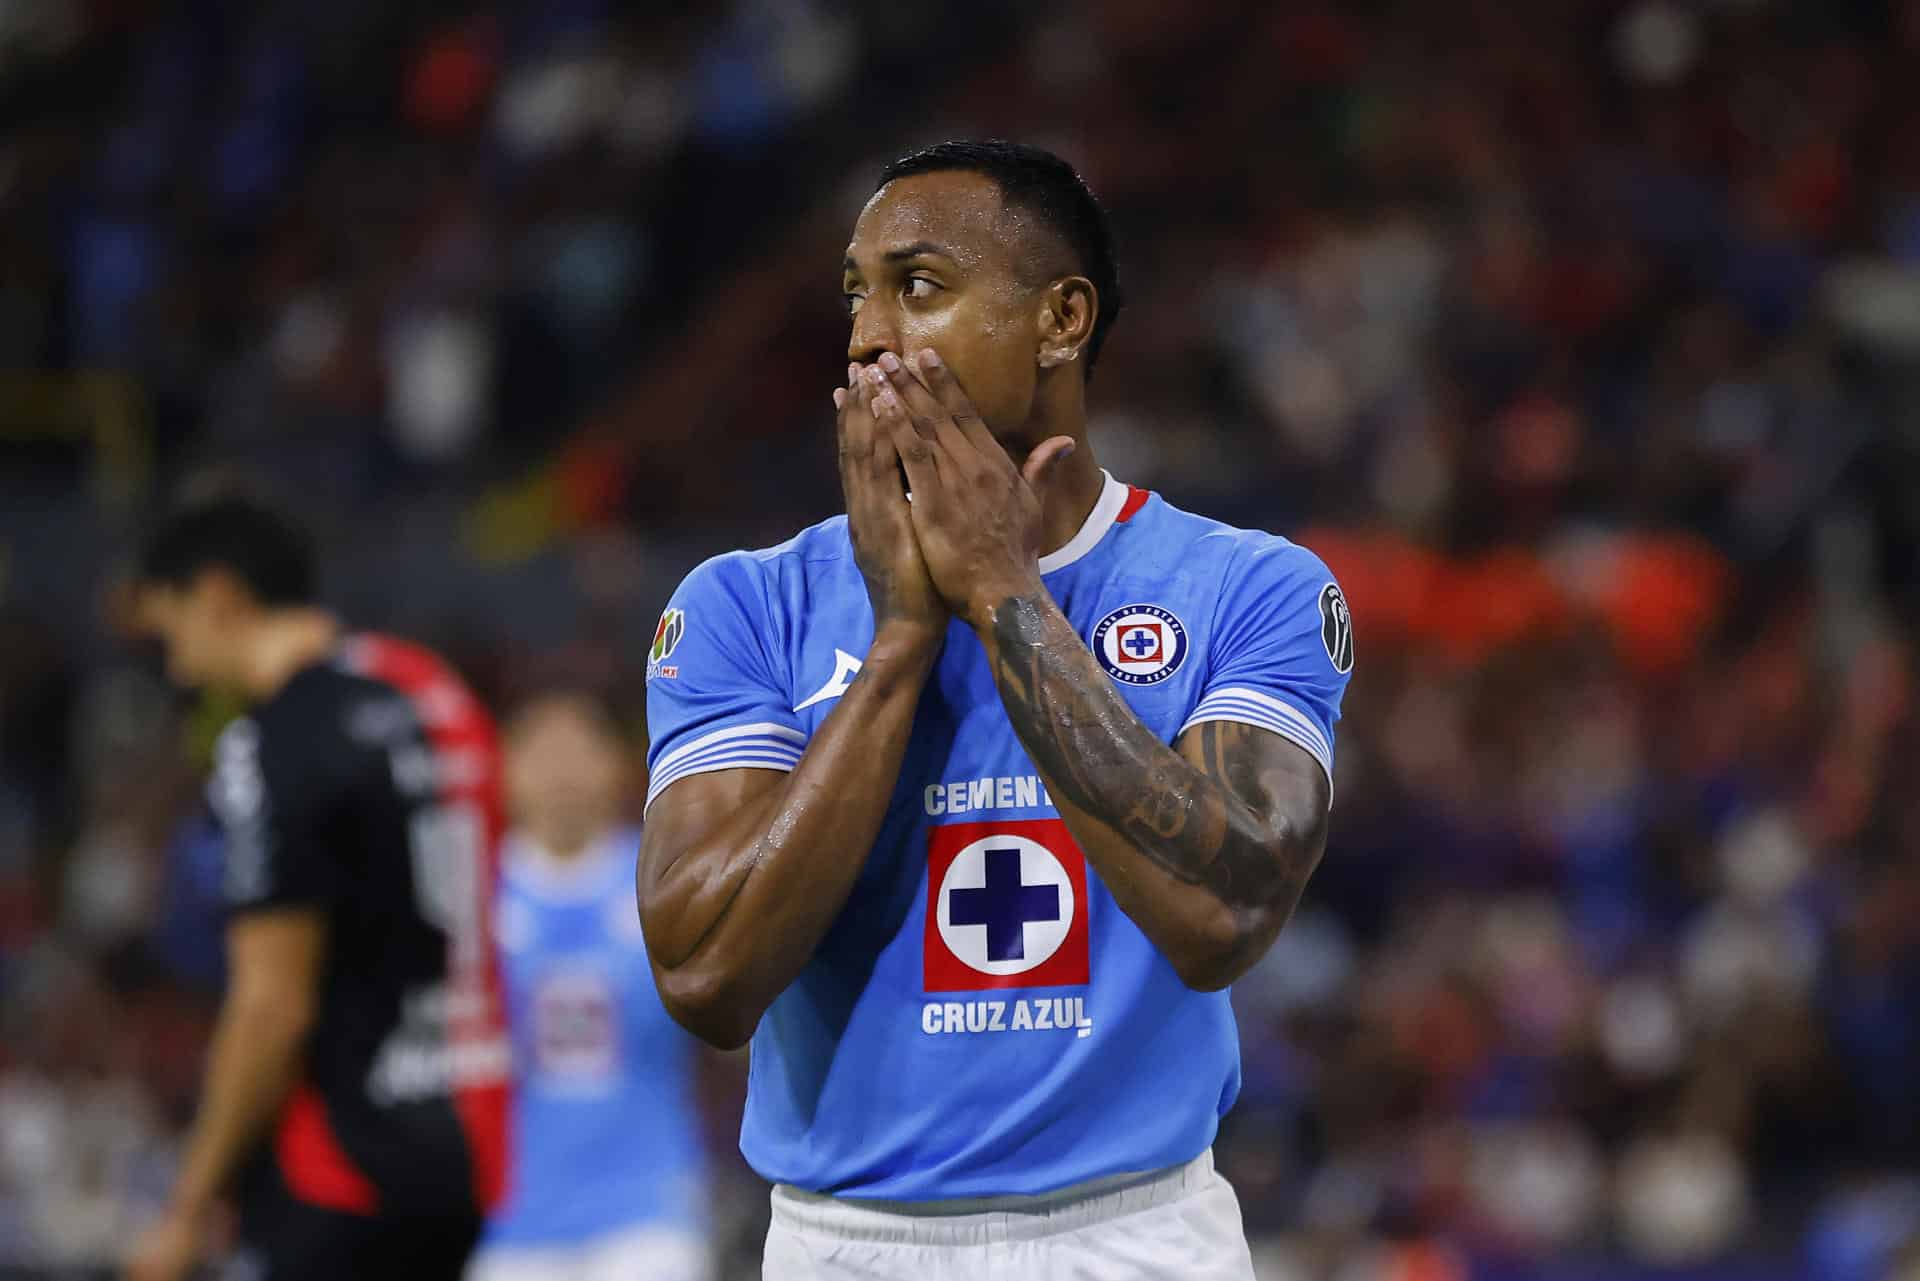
column 982, row 1019
column 605, row 1130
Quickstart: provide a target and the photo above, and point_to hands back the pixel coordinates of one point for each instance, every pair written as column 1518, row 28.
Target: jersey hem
column 966, row 1221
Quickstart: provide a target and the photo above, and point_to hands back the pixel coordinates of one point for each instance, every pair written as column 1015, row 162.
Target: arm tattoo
column 1205, row 827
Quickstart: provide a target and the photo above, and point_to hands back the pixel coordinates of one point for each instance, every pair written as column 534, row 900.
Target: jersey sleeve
column 715, row 696
column 274, row 808
column 1282, row 650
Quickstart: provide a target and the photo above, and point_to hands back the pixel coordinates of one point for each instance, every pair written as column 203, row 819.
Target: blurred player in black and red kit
column 355, row 1095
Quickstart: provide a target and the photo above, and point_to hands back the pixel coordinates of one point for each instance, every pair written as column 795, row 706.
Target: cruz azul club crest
column 1006, row 907
column 1140, row 644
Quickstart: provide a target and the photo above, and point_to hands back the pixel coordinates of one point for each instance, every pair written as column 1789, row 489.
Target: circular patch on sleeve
column 1140, row 644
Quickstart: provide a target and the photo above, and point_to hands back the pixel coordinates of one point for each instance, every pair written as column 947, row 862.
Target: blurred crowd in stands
column 1582, row 338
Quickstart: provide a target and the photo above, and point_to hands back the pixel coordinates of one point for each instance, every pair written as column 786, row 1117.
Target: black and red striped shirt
column 369, row 788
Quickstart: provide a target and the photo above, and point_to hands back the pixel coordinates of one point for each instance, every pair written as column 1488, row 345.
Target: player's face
column 932, row 263
column 563, row 773
column 194, row 626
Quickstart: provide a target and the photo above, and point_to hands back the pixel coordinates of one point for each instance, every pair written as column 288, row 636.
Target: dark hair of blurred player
column 355, row 1086
column 227, row 586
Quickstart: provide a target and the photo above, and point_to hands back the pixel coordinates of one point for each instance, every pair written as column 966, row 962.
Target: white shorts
column 637, row 1254
column 1181, row 1224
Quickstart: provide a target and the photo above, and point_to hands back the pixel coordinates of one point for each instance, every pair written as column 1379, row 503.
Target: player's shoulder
column 1263, row 584
column 756, row 579
column 378, row 677
column 1268, row 561
column 295, row 739
column 303, row 713
column 405, row 666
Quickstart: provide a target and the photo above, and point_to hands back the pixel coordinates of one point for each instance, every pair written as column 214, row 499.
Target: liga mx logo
column 1006, row 907
column 673, row 625
column 1140, row 644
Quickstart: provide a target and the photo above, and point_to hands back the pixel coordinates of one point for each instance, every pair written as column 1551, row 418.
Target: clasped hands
column 970, row 536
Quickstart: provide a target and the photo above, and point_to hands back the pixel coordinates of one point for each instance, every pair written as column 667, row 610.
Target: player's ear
column 1068, row 308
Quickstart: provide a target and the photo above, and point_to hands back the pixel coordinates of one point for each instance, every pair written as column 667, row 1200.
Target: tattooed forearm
column 1210, row 827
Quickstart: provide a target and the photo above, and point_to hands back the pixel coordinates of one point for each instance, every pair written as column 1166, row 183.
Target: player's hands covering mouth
column 879, row 518
column 977, row 518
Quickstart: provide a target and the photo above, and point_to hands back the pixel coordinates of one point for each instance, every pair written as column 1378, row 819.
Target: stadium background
column 1581, row 338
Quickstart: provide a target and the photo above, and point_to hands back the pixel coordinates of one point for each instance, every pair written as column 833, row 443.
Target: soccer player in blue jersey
column 608, row 1180
column 966, row 807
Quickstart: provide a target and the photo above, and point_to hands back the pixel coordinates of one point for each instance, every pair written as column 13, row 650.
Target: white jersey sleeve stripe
column 764, row 729
column 1249, row 707
column 720, row 751
column 1254, row 700
column 720, row 760
column 1252, row 714
column 781, row 761
column 765, row 745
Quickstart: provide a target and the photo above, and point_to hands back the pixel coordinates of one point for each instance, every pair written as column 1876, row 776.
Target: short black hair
column 262, row 546
column 1036, row 180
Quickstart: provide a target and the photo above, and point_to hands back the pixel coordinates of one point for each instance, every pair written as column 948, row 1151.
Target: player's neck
column 1069, row 497
column 282, row 643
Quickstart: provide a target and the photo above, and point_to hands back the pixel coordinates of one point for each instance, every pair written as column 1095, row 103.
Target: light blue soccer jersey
column 982, row 1019
column 605, row 1131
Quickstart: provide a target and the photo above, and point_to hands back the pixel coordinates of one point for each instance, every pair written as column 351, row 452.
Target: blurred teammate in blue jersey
column 966, row 807
column 608, row 1181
